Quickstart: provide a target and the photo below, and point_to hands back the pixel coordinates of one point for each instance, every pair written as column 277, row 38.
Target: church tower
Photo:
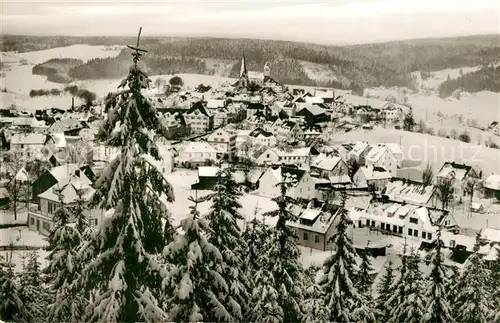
column 243, row 81
column 267, row 72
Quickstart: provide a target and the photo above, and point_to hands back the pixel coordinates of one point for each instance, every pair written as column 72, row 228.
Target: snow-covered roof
column 374, row 173
column 301, row 152
column 3, row 193
column 377, row 152
column 22, row 175
column 314, row 99
column 310, row 214
column 460, row 239
column 359, row 148
column 287, row 173
column 69, row 189
column 199, row 146
column 394, row 148
column 423, row 215
column 491, row 234
column 254, row 175
column 314, row 109
column 59, row 140
column 492, row 182
column 457, row 171
column 208, row 171
column 339, row 179
column 327, row 163
column 409, row 192
column 214, row 104
column 64, row 171
column 28, row 139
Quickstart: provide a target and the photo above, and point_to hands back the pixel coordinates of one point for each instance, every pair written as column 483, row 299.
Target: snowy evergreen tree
column 495, row 281
column 11, row 305
column 412, row 307
column 474, row 299
column 265, row 306
column 342, row 299
column 364, row 280
column 384, row 293
column 61, row 270
column 225, row 235
column 283, row 256
column 32, row 289
column 80, row 213
column 122, row 271
column 194, row 282
column 315, row 311
column 255, row 240
column 437, row 307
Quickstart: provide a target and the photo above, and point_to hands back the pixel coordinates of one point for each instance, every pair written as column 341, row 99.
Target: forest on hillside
column 358, row 66
column 487, row 78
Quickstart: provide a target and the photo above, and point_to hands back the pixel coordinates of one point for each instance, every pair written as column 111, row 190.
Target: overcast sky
column 329, row 22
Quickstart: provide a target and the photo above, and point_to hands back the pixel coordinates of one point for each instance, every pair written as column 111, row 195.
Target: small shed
column 477, row 208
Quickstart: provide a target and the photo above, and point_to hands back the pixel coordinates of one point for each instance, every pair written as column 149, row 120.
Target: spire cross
column 137, row 49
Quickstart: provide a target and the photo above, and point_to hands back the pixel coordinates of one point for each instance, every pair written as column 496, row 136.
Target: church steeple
column 243, row 69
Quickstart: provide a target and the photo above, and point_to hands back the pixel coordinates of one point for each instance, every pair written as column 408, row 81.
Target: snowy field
column 21, row 236
column 425, row 148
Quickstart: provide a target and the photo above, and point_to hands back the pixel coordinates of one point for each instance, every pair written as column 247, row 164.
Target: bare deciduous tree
column 428, row 175
column 445, row 192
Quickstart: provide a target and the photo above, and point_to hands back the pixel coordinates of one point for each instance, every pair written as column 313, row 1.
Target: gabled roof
column 69, row 124
column 374, row 173
column 259, row 131
column 198, row 106
column 214, row 104
column 313, row 109
column 327, row 163
column 457, row 171
column 359, row 148
column 492, row 182
column 409, row 192
column 376, row 153
column 287, row 173
column 28, row 139
column 199, row 146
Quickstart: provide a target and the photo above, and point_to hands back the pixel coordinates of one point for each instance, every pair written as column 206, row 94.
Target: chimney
column 72, row 102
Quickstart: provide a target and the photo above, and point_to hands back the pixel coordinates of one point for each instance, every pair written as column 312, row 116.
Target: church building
column 262, row 79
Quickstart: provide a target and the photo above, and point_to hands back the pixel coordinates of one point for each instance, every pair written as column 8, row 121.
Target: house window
column 367, row 222
column 415, row 233
column 429, row 236
column 32, row 221
column 305, row 236
column 360, row 224
column 410, row 232
column 46, row 226
column 316, row 238
column 382, row 226
column 400, row 230
column 373, row 223
column 424, row 234
column 394, row 228
column 22, row 146
column 414, row 220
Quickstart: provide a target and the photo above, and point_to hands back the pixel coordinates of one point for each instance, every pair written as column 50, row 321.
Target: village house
column 197, row 153
column 72, row 127
column 261, row 137
column 396, row 151
column 332, row 168
column 457, row 174
column 494, row 128
column 312, row 114
column 359, row 152
column 27, row 146
column 369, row 177
column 300, row 157
column 199, row 118
column 72, row 187
column 302, row 187
column 223, row 141
column 62, row 149
column 175, row 124
column 316, row 226
column 344, row 151
column 391, row 113
column 364, row 113
column 492, row 186
column 415, row 193
column 381, row 156
column 213, row 104
column 327, row 95
column 207, row 177
column 222, row 117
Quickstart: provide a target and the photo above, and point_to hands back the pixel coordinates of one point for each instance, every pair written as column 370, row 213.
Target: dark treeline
column 487, row 78
column 56, row 69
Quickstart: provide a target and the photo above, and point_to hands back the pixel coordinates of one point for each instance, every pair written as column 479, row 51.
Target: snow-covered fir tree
column 283, row 256
column 438, row 308
column 495, row 281
column 315, row 311
column 122, row 272
column 12, row 308
column 412, row 307
column 341, row 297
column 32, row 289
column 194, row 284
column 255, row 237
column 61, row 269
column 265, row 306
column 79, row 212
column 398, row 292
column 225, row 235
column 474, row 302
column 384, row 293
column 364, row 280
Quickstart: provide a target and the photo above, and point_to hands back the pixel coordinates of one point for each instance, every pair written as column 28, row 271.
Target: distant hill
column 354, row 67
column 487, row 78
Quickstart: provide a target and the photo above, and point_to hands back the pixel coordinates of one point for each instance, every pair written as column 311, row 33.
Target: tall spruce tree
column 364, row 280
column 412, row 307
column 315, row 312
column 495, row 281
column 342, row 298
column 283, row 255
column 437, row 308
column 194, row 280
column 384, row 292
column 80, row 213
column 225, row 235
column 474, row 298
column 12, row 308
column 122, row 272
column 61, row 269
